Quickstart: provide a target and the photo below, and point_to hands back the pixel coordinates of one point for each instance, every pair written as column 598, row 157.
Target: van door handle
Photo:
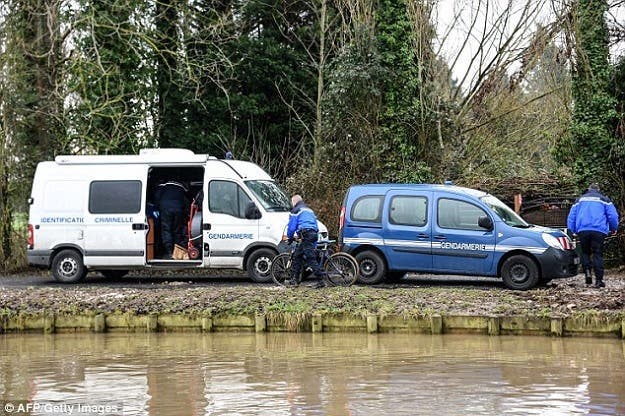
column 206, row 227
column 440, row 237
column 139, row 226
column 422, row 235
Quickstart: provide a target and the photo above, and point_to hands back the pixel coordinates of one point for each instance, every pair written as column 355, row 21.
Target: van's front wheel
column 68, row 267
column 372, row 267
column 259, row 265
column 519, row 273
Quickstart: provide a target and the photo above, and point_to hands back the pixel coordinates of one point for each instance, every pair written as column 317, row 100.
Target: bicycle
column 342, row 268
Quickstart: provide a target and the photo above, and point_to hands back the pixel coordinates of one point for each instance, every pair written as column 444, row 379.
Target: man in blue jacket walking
column 592, row 218
column 303, row 221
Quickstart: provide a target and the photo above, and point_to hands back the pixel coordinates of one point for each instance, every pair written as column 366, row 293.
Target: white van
column 99, row 213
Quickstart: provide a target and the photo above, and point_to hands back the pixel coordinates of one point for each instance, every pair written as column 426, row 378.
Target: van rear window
column 368, row 209
column 115, row 197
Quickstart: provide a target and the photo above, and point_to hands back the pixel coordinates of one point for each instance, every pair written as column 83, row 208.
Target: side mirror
column 252, row 212
column 485, row 222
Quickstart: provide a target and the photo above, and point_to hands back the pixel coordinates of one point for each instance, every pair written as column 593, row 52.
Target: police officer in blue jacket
column 303, row 221
column 592, row 218
column 173, row 205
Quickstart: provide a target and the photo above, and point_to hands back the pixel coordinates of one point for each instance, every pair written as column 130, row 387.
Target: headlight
column 552, row 241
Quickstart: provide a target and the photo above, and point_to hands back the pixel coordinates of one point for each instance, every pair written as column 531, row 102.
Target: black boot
column 599, row 283
column 588, row 274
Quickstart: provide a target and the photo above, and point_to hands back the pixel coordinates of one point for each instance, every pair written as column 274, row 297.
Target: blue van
column 392, row 229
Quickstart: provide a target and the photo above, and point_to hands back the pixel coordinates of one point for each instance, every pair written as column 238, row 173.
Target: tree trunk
column 320, row 70
column 5, row 211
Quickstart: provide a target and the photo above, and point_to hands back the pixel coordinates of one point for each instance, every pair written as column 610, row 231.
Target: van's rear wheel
column 68, row 267
column 372, row 267
column 519, row 273
column 259, row 265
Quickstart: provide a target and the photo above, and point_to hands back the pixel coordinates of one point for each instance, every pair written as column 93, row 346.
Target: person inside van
column 171, row 198
column 303, row 221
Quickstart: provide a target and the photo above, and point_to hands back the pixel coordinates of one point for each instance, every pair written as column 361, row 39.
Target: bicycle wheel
column 342, row 269
column 281, row 268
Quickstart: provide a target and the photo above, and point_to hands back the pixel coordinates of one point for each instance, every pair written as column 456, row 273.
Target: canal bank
column 564, row 308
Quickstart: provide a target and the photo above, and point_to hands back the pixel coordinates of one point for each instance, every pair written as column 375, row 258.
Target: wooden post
column 557, row 327
column 48, row 323
column 260, row 323
column 372, row 323
column 436, row 324
column 518, row 201
column 494, row 325
column 317, row 323
column 152, row 324
column 99, row 323
column 207, row 324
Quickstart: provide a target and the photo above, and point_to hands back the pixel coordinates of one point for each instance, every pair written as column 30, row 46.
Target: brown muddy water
column 309, row 374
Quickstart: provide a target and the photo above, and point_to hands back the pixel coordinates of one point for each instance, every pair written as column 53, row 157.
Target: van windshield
column 270, row 195
column 504, row 212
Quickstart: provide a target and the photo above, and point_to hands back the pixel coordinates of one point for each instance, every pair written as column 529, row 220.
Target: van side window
column 408, row 210
column 225, row 197
column 115, row 197
column 459, row 215
column 368, row 209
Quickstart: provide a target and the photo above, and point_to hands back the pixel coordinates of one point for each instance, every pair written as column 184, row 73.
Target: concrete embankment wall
column 590, row 326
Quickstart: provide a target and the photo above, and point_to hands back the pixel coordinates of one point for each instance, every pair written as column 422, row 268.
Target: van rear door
column 407, row 234
column 459, row 245
column 115, row 223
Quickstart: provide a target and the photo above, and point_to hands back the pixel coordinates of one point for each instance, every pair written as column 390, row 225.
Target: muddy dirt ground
column 415, row 295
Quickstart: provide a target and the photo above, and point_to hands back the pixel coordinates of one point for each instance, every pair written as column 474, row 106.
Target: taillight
column 31, row 236
column 566, row 243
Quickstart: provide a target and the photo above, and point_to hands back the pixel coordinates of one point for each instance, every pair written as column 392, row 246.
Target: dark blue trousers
column 592, row 246
column 172, row 230
column 305, row 255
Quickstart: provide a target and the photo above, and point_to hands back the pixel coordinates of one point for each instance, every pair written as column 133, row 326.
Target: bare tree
column 486, row 37
column 492, row 48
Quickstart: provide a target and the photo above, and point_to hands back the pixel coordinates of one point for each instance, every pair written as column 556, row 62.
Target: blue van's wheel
column 68, row 267
column 519, row 273
column 371, row 266
column 259, row 265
